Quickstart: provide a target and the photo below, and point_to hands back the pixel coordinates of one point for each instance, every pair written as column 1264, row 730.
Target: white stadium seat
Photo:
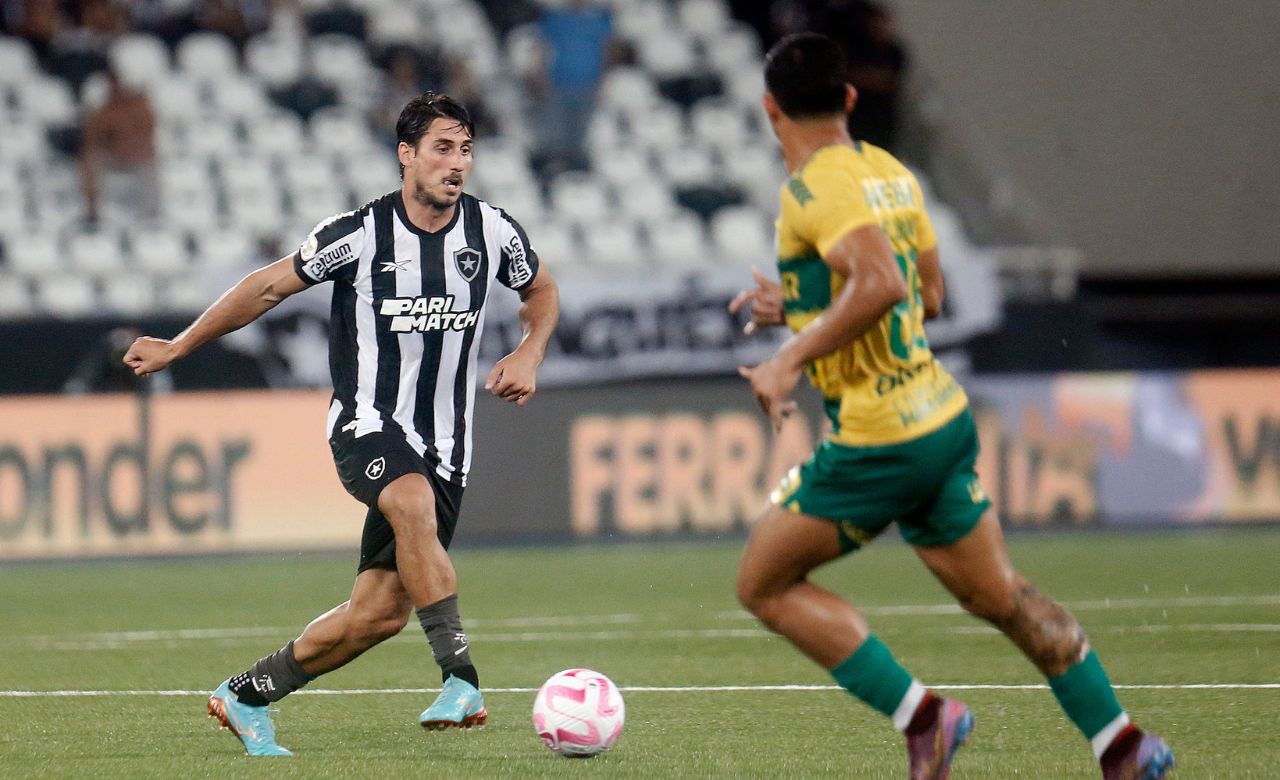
column 49, row 101
column 394, row 23
column 742, row 234
column 158, row 250
column 615, row 243
column 628, row 89
column 705, row 19
column 65, row 295
column 130, row 294
column 240, row 97
column 688, row 165
column 17, row 60
column 177, row 97
column 720, row 123
column 660, row 127
column 15, row 296
column 639, row 18
column 647, row 199
column 34, row 253
column 97, row 252
column 222, row 249
column 207, row 57
column 273, row 60
column 668, row 54
column 625, row 166
column 578, row 197
column 556, row 245
column 736, row 49
column 679, row 240
column 139, row 60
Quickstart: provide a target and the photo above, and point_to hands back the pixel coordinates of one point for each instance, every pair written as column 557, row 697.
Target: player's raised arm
column 514, row 378
column 248, row 300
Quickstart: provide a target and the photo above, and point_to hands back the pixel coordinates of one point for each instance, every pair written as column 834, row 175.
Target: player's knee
column 757, row 600
column 409, row 510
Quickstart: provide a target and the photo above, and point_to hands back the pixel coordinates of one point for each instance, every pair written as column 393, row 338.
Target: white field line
column 1154, row 602
column 223, row 637
column 236, row 638
column 651, row 689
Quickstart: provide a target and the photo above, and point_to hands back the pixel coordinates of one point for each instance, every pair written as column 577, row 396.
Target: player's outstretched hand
column 766, row 303
column 514, row 378
column 772, row 383
column 148, row 355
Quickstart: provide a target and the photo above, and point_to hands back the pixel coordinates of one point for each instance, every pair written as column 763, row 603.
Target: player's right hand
column 148, row 355
column 766, row 303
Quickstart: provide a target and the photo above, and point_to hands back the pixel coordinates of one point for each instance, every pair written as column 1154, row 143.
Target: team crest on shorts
column 467, row 261
column 375, row 468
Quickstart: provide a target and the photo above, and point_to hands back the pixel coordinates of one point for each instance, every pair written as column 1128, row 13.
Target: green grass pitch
column 1166, row 610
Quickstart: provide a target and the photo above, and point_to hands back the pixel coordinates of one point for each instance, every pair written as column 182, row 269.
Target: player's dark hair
column 806, row 74
column 417, row 115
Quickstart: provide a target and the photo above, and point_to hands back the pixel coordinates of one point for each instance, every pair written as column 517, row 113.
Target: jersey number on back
column 906, row 329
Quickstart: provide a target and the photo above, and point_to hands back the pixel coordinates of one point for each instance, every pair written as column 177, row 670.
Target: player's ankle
column 1121, row 744
column 926, row 714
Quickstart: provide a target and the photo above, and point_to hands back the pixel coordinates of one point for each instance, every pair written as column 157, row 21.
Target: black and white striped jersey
column 408, row 309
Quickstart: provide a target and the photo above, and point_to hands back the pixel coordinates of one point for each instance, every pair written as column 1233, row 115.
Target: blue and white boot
column 459, row 706
column 251, row 724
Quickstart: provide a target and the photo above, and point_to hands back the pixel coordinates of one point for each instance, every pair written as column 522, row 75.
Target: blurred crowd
column 867, row 33
column 577, row 45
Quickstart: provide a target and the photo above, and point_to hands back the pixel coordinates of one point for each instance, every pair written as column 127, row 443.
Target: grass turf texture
column 1185, row 608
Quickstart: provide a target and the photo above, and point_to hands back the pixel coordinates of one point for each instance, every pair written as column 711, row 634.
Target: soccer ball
column 578, row 713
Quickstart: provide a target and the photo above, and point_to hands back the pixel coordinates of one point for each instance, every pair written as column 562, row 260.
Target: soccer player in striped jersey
column 411, row 272
column 859, row 275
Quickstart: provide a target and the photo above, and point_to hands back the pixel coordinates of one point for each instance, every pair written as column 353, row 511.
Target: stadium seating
column 677, row 179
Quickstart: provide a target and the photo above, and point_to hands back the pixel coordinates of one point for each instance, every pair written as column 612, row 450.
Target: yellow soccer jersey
column 884, row 387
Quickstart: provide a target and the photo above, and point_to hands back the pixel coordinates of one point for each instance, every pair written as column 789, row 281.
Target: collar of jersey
column 412, row 228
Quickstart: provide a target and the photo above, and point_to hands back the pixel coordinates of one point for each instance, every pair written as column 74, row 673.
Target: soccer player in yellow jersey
column 859, row 276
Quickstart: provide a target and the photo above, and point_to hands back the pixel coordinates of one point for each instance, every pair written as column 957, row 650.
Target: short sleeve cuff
column 833, row 237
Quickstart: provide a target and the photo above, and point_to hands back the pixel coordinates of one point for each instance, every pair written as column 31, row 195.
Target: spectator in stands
column 118, row 155
column 237, row 19
column 877, row 65
column 405, row 81
column 576, row 37
column 38, row 21
column 96, row 24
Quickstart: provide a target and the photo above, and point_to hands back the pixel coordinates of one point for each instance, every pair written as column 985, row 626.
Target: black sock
column 449, row 644
column 270, row 679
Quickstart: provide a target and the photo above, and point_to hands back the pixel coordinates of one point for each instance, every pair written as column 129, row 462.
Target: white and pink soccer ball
column 578, row 712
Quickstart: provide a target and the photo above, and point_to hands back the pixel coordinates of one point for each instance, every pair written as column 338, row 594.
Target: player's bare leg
column 977, row 571
column 428, row 577
column 425, row 569
column 377, row 610
column 773, row 584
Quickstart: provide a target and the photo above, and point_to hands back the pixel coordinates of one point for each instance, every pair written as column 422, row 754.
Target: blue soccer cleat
column 459, row 706
column 1136, row 755
column 251, row 724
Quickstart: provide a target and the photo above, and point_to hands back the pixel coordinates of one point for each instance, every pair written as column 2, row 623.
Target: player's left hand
column 514, row 378
column 772, row 381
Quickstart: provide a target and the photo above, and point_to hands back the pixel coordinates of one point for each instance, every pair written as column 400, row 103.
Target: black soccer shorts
column 368, row 464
